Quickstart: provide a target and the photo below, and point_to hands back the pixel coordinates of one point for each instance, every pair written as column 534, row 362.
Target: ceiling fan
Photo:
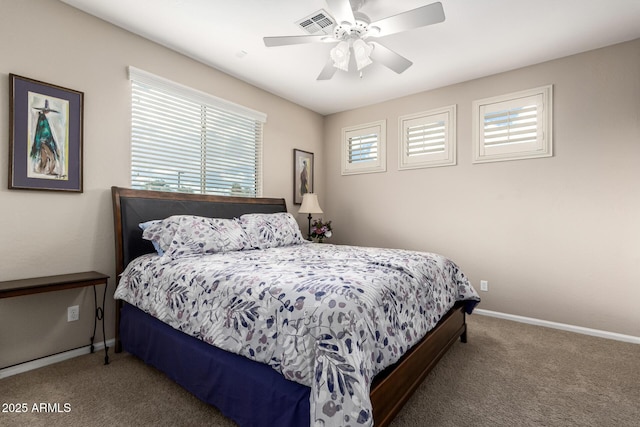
column 354, row 32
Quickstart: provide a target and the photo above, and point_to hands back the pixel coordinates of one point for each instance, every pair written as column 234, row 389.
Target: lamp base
column 309, row 232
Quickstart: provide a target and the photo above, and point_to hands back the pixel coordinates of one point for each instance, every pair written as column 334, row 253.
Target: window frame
column 222, row 116
column 445, row 157
column 379, row 128
column 542, row 146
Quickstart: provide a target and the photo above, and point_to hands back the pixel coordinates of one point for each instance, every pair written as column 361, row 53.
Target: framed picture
column 302, row 174
column 45, row 142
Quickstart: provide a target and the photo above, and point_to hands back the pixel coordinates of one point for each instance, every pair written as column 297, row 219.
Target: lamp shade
column 310, row 204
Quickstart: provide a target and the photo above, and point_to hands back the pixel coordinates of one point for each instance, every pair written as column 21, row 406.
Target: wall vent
column 317, row 23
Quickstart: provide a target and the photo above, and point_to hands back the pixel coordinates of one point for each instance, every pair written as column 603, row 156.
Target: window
column 428, row 139
column 363, row 148
column 188, row 141
column 514, row 126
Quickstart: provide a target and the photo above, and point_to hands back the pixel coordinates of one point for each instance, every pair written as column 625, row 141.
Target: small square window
column 428, row 139
column 513, row 126
column 363, row 148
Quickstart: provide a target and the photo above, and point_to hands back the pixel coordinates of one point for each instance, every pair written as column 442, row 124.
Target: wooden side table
column 36, row 285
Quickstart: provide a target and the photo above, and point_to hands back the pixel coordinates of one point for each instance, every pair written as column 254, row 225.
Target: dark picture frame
column 302, row 174
column 45, row 136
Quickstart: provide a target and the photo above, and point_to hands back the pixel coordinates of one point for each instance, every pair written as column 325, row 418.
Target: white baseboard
column 50, row 360
column 562, row 326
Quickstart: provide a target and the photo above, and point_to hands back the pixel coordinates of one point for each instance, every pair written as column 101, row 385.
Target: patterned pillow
column 196, row 235
column 144, row 225
column 160, row 232
column 271, row 230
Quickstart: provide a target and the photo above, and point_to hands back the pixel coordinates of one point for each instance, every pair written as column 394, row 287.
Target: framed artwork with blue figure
column 46, row 128
column 302, row 174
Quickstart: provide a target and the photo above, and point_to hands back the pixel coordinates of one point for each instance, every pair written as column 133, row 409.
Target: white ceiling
column 477, row 38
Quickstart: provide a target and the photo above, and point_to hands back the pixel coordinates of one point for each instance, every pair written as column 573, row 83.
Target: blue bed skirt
column 250, row 393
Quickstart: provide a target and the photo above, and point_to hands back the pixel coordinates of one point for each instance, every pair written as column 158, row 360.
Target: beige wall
column 45, row 233
column 557, row 238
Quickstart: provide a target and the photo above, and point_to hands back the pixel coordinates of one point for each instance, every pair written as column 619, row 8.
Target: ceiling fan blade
column 415, row 18
column 389, row 58
column 328, row 71
column 341, row 10
column 289, row 40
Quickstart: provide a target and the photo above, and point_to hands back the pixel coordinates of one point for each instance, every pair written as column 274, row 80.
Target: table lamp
column 310, row 206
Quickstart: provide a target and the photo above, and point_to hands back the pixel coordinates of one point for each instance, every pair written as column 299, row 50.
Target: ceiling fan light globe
column 363, row 63
column 341, row 55
column 362, row 50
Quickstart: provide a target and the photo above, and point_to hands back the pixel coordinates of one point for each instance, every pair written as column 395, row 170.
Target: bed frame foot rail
column 389, row 393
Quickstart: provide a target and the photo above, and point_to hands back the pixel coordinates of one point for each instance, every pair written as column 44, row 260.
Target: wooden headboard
column 131, row 207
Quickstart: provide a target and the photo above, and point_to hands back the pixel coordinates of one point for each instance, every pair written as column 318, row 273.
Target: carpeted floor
column 508, row 374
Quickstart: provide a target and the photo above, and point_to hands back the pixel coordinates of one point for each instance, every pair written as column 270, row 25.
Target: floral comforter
column 330, row 317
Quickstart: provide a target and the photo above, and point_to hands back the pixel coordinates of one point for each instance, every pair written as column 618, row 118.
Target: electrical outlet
column 484, row 285
column 73, row 313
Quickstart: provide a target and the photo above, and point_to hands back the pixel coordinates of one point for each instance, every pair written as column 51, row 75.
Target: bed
column 251, row 380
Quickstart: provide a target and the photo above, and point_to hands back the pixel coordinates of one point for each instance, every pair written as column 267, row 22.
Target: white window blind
column 517, row 125
column 363, row 148
column 427, row 139
column 424, row 138
column 513, row 126
column 185, row 140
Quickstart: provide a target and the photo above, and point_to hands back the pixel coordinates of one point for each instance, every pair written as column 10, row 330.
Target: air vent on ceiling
column 317, row 23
